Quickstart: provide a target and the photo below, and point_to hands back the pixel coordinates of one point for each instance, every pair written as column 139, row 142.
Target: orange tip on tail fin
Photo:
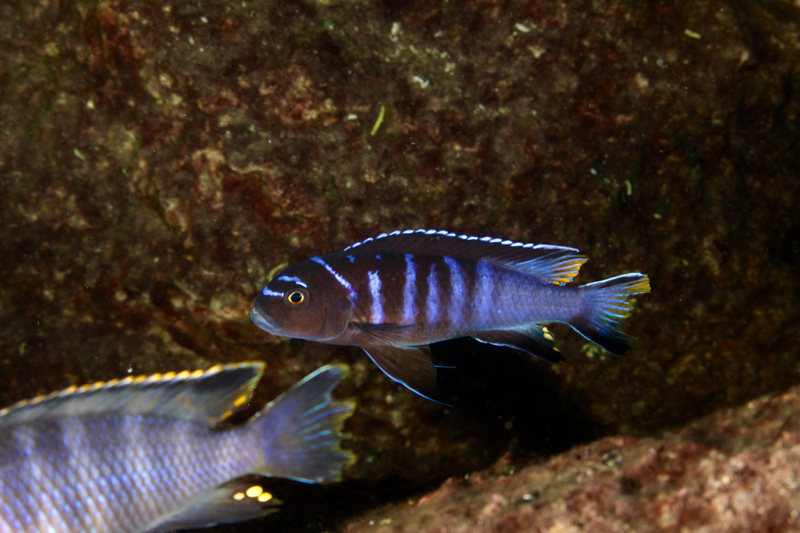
column 608, row 305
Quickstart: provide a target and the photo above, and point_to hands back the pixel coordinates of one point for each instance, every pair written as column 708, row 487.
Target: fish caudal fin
column 300, row 430
column 608, row 304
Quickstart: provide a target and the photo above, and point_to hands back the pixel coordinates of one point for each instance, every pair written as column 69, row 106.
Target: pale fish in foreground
column 140, row 454
column 394, row 294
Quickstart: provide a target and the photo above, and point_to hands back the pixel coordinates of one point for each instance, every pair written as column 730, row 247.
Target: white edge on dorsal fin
column 491, row 240
column 550, row 264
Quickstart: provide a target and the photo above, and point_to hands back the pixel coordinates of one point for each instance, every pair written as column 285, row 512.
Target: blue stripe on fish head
column 308, row 300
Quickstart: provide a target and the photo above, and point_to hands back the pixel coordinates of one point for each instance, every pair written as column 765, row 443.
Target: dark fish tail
column 299, row 431
column 607, row 303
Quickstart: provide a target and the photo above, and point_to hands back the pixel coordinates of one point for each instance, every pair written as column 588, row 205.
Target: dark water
column 160, row 159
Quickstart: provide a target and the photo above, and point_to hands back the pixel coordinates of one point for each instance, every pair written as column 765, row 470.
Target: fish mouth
column 264, row 320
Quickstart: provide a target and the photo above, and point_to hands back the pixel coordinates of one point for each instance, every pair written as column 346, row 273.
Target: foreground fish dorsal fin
column 204, row 396
column 411, row 366
column 236, row 501
column 548, row 263
column 535, row 340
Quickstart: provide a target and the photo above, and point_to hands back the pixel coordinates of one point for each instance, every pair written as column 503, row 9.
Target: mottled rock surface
column 160, row 159
column 738, row 470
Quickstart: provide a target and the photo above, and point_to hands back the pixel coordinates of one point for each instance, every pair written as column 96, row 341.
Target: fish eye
column 296, row 298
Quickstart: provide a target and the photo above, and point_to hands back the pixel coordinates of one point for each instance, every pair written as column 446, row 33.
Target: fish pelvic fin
column 300, row 431
column 410, row 366
column 608, row 304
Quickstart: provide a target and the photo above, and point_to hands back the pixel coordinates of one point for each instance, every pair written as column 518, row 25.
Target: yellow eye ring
column 296, row 298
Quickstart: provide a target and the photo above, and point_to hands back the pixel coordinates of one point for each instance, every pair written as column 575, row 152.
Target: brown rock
column 737, row 470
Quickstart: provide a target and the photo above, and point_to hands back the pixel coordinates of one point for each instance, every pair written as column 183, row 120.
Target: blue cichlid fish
column 394, row 294
column 141, row 454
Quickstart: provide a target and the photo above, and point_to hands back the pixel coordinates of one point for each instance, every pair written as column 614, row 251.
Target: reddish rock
column 734, row 471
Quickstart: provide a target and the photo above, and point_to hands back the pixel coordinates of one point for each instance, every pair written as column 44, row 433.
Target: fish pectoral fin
column 411, row 366
column 535, row 340
column 236, row 501
column 380, row 334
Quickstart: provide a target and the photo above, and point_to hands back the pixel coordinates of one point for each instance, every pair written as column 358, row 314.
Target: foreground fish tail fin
column 608, row 304
column 300, row 430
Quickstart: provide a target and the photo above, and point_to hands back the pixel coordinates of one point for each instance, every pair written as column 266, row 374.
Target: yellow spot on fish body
column 265, row 497
column 254, row 492
column 240, row 400
column 238, row 496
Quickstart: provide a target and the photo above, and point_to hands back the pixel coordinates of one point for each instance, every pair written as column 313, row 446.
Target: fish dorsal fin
column 548, row 263
column 205, row 396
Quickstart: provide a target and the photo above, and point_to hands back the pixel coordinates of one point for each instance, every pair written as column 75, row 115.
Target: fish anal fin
column 535, row 340
column 411, row 366
column 236, row 501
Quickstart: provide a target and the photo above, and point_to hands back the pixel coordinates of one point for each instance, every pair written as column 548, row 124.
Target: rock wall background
column 159, row 159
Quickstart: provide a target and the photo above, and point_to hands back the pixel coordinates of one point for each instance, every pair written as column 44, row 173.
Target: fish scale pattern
column 143, row 453
column 95, row 471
